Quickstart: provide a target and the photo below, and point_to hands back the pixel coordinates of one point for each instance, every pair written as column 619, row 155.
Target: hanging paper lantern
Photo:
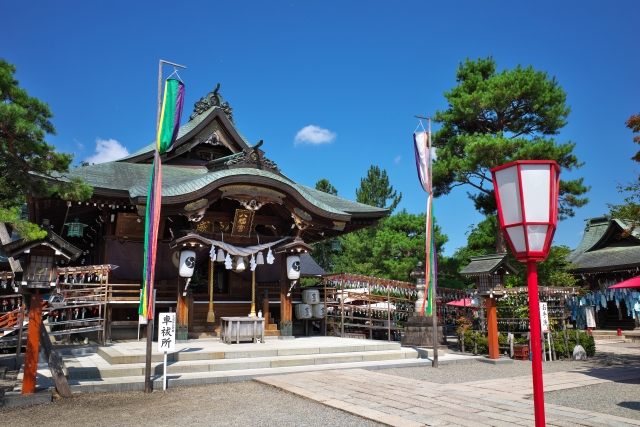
column 220, row 256
column 187, row 263
column 260, row 258
column 293, row 267
column 240, row 266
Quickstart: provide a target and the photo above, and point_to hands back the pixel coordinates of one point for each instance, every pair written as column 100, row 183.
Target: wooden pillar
column 492, row 328
column 265, row 308
column 182, row 313
column 33, row 344
column 286, row 324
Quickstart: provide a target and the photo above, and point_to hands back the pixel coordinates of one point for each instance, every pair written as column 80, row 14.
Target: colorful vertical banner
column 170, row 116
column 424, row 162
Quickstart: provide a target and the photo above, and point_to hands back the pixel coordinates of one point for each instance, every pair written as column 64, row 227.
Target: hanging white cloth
column 238, row 250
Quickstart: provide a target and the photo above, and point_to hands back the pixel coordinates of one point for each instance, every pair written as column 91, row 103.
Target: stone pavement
column 406, row 402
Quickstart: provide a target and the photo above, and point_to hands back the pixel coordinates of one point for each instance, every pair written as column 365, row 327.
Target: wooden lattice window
column 40, row 268
column 484, row 284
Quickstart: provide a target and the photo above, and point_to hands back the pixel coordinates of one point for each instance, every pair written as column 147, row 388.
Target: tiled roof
column 189, row 126
column 487, row 264
column 607, row 258
column 133, row 179
column 345, row 205
column 590, row 254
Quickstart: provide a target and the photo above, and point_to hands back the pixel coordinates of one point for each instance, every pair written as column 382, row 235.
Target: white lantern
column 220, row 255
column 240, row 266
column 187, row 263
column 260, row 258
column 527, row 198
column 293, row 267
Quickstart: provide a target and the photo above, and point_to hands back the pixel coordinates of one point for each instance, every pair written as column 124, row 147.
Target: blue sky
column 360, row 70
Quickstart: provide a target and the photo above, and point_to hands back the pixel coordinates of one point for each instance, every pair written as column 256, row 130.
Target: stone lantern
column 418, row 330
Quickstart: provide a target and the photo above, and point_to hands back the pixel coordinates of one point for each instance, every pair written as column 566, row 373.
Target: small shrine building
column 607, row 255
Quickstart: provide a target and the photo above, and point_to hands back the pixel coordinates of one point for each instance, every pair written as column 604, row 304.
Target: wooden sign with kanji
column 242, row 223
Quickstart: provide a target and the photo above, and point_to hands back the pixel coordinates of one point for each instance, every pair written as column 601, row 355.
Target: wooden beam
column 55, row 364
column 286, row 315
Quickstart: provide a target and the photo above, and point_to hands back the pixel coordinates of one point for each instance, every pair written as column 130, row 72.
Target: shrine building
column 220, row 192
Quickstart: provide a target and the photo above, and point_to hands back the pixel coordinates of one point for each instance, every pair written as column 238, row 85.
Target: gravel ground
column 478, row 371
column 233, row 404
column 620, row 398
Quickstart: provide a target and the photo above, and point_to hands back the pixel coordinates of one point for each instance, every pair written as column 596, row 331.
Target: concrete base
column 418, row 332
column 500, row 361
column 286, row 337
column 12, row 400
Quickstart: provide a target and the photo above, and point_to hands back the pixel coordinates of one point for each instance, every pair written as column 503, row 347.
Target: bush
column 585, row 340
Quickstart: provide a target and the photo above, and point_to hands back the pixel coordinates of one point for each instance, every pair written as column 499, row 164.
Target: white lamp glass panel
column 537, row 235
column 536, row 191
column 509, row 192
column 516, row 234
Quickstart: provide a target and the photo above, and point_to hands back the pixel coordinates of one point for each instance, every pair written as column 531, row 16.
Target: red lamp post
column 527, row 197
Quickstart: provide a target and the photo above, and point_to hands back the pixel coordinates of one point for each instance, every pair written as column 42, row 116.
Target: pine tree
column 375, row 190
column 27, row 162
column 498, row 117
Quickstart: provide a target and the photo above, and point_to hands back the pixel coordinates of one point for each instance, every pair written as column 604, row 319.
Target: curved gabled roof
column 188, row 131
column 180, row 184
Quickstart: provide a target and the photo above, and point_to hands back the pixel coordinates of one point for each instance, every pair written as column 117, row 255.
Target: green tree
column 393, row 251
column 400, row 244
column 27, row 162
column 497, row 117
column 321, row 253
column 629, row 211
column 325, row 186
column 375, row 190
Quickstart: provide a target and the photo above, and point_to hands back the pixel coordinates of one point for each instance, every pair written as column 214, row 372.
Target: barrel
column 318, row 310
column 311, row 296
column 304, row 311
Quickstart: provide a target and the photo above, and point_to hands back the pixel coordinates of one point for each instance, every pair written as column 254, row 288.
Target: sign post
column 166, row 339
column 544, row 325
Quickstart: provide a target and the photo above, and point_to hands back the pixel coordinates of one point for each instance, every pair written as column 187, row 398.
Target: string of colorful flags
column 168, row 126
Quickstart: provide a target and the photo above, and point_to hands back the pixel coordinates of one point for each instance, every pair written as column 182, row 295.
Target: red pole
column 33, row 345
column 536, row 360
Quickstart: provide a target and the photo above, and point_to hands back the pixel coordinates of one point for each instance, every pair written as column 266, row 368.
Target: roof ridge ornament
column 213, row 99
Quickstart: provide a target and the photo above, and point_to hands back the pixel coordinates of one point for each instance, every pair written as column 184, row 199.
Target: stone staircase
column 121, row 366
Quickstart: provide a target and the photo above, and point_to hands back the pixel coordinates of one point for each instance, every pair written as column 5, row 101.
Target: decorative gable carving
column 213, row 99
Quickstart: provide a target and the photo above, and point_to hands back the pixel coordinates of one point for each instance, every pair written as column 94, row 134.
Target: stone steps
column 235, row 364
column 136, row 383
column 120, row 366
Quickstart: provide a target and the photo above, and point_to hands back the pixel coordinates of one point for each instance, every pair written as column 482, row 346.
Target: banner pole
column 434, row 305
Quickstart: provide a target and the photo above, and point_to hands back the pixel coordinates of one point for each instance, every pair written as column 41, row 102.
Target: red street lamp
column 527, row 197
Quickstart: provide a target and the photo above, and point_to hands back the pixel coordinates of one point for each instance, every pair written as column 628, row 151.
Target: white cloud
column 79, row 144
column 314, row 135
column 107, row 150
column 397, row 159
